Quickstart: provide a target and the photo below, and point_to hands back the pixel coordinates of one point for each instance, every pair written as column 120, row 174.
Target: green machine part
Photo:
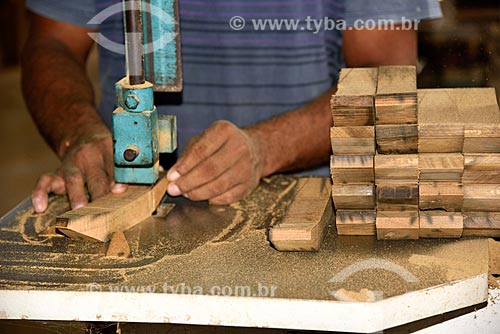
column 153, row 64
column 162, row 61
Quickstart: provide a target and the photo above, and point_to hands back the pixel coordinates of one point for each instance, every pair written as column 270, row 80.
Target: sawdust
column 205, row 246
column 33, row 226
column 494, row 263
column 250, row 262
column 454, row 268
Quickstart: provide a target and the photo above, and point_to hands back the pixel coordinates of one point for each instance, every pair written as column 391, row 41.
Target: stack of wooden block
column 353, row 146
column 411, row 163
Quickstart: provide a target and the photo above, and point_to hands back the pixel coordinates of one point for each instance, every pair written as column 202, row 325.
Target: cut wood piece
column 397, row 225
column 356, row 222
column 481, row 138
column 437, row 138
column 118, row 246
column 396, row 98
column 441, row 195
column 112, row 213
column 482, row 224
column 474, row 109
column 397, row 197
column 352, row 169
column 310, row 212
column 352, row 104
column 396, row 169
column 440, row 167
column 353, row 196
column 399, row 139
column 481, row 197
column 353, row 140
column 481, row 168
column 440, row 224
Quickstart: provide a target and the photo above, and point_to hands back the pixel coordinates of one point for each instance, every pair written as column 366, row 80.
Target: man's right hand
column 86, row 166
column 61, row 100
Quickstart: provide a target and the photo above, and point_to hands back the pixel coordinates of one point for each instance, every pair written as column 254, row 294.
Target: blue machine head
column 153, row 64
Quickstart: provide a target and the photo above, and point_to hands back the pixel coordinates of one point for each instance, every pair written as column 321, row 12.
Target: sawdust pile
column 494, row 265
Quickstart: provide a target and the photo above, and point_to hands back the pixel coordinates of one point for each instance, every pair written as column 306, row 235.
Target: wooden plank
column 481, row 168
column 353, row 140
column 436, row 138
column 441, row 195
column 396, row 169
column 481, row 138
column 353, row 196
column 305, row 222
column 401, row 139
column 352, row 104
column 440, row 167
column 396, row 97
column 112, row 213
column 440, row 224
column 356, row 222
column 395, row 225
column 397, row 197
column 447, row 110
column 352, row 169
column 482, row 224
column 481, row 197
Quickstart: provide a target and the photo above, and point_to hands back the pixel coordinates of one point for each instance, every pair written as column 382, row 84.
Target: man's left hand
column 223, row 165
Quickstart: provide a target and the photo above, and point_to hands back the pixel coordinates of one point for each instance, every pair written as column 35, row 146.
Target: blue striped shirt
column 244, row 76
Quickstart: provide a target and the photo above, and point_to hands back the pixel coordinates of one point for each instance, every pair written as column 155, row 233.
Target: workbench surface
column 214, row 265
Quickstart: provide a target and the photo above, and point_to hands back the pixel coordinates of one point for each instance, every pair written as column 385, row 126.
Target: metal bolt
column 132, row 101
column 131, row 153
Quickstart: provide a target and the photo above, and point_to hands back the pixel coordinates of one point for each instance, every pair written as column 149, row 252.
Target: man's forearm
column 58, row 93
column 296, row 140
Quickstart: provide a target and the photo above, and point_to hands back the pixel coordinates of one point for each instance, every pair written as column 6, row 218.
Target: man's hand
column 223, row 165
column 88, row 164
column 60, row 98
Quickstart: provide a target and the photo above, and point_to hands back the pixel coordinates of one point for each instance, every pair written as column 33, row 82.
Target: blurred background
column 461, row 50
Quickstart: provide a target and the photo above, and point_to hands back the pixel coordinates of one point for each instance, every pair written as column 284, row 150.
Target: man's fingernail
column 37, row 205
column 118, row 188
column 173, row 190
column 78, row 206
column 173, row 176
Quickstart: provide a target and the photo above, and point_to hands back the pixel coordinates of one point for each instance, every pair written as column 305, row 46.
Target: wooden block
column 440, row 167
column 112, row 213
column 401, row 139
column 396, row 169
column 482, row 224
column 353, row 196
column 352, row 104
column 305, row 222
column 441, row 195
column 353, row 140
column 447, row 111
column 481, row 138
column 396, row 98
column 436, row 138
column 352, row 169
column 397, row 197
column 397, row 225
column 440, row 224
column 118, row 246
column 481, row 197
column 356, row 222
column 481, row 168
